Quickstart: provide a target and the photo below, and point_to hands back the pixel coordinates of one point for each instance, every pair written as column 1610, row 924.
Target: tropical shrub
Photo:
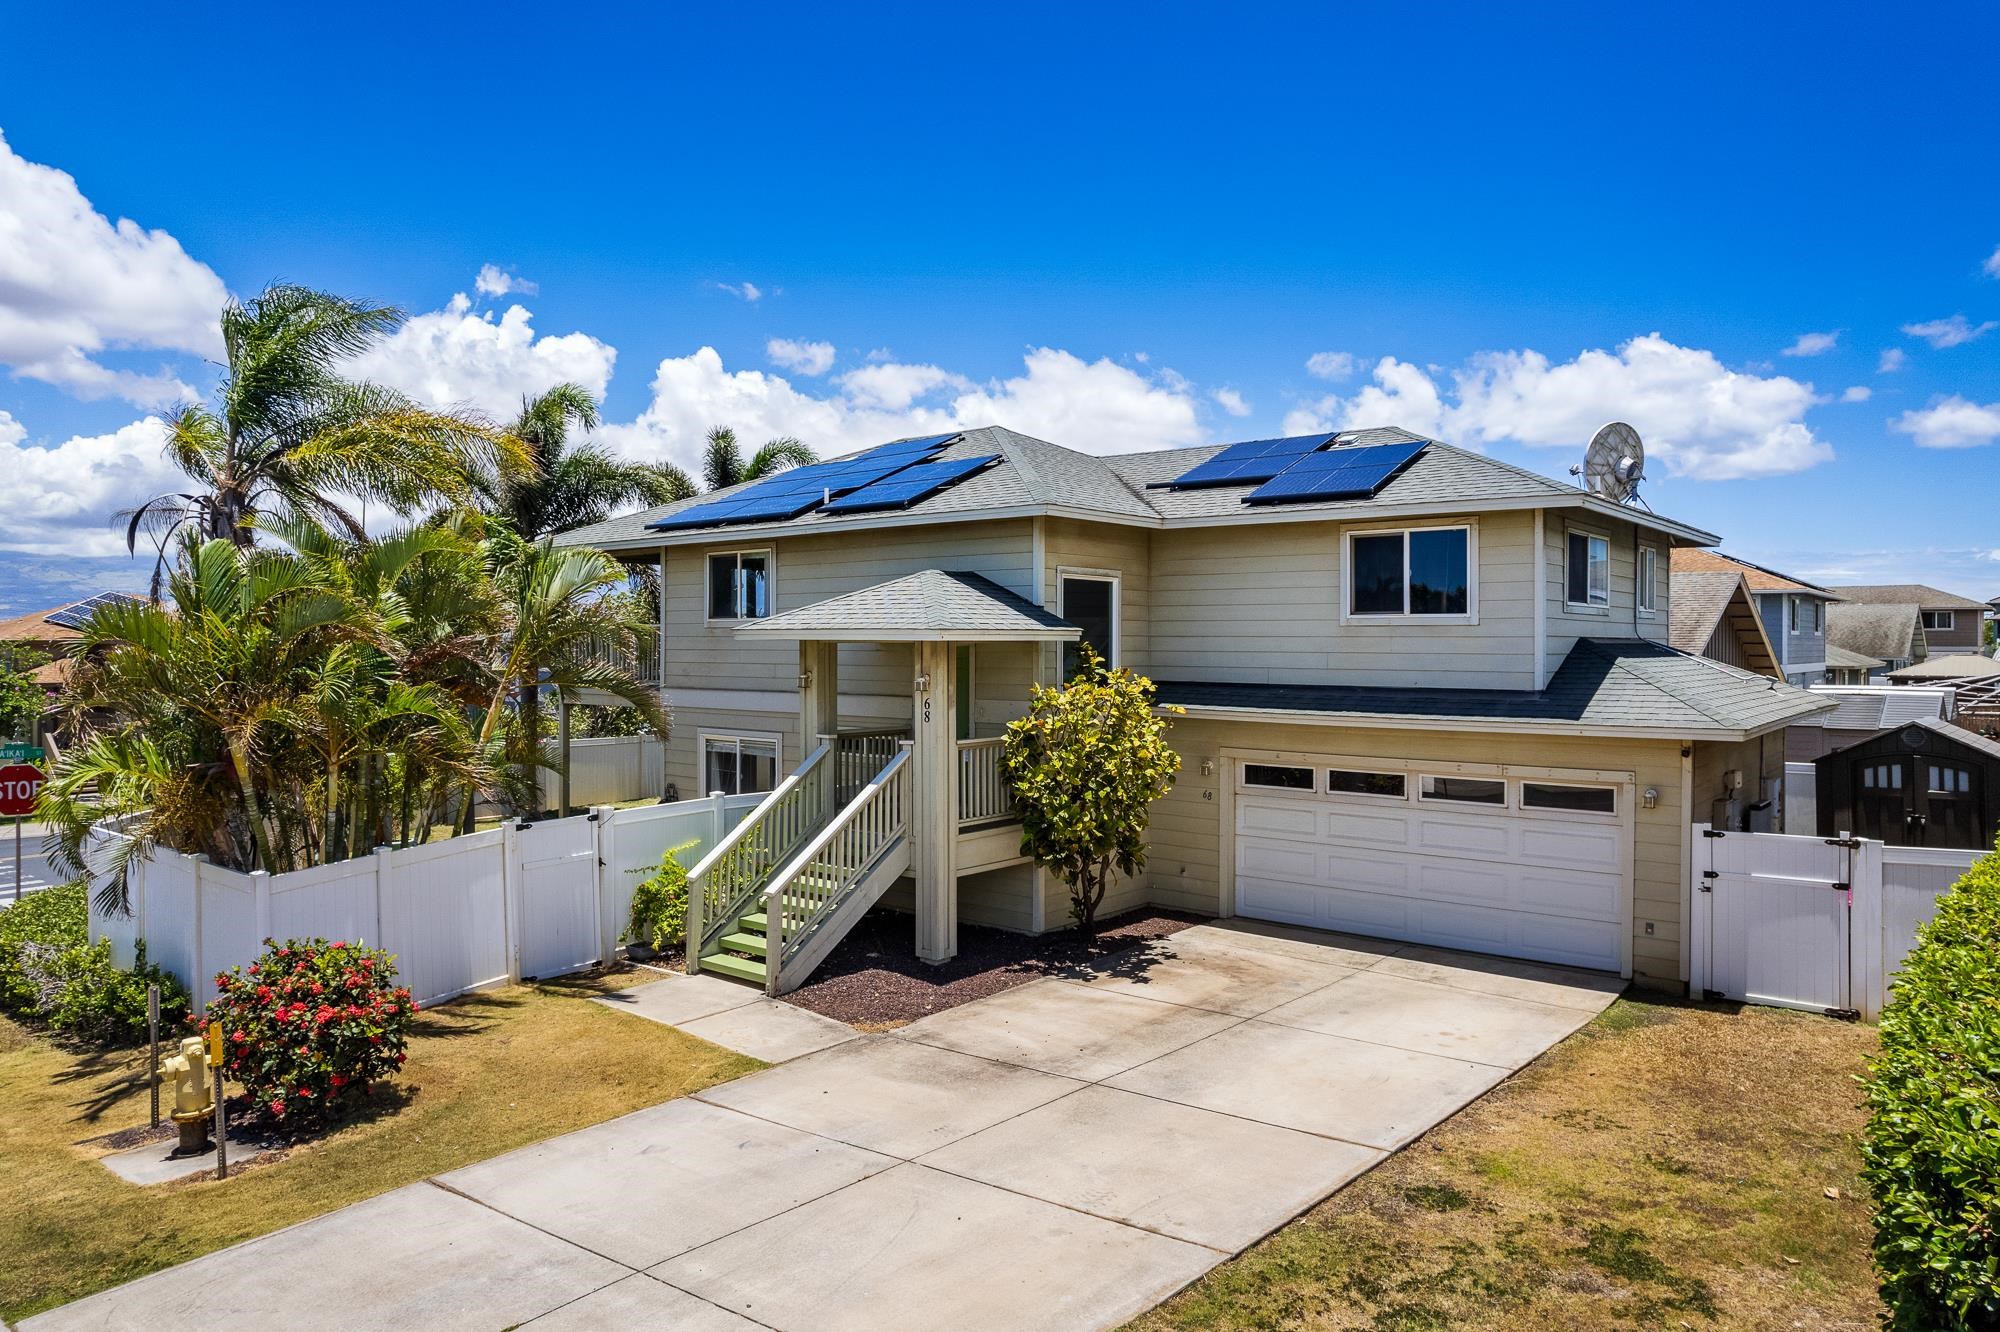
column 1085, row 765
column 50, row 972
column 660, row 903
column 1931, row 1151
column 310, row 1024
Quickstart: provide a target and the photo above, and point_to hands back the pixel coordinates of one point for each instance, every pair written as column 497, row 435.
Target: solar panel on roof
column 1252, row 460
column 77, row 616
column 910, row 485
column 800, row 490
column 1337, row 473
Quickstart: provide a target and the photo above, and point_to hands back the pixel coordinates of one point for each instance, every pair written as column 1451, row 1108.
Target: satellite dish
column 1614, row 464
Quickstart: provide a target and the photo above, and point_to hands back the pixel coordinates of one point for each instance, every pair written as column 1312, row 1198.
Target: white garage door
column 1524, row 867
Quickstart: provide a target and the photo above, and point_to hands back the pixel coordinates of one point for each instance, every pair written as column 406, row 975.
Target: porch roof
column 931, row 605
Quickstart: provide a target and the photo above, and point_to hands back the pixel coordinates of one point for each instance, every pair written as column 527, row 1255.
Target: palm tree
column 290, row 434
column 572, row 485
column 560, row 608
column 722, row 462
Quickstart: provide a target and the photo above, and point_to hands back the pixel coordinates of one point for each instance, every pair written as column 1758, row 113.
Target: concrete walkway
column 1061, row 1155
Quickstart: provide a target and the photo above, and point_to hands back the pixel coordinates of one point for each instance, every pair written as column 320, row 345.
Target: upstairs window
column 1940, row 619
column 739, row 585
column 1649, row 579
column 1090, row 602
column 1589, row 573
column 1424, row 571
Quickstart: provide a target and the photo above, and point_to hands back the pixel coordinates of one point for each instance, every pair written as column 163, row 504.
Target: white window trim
column 1348, row 615
column 1244, row 783
column 1611, row 815
column 1646, row 590
column 774, row 738
column 1587, row 607
column 1113, row 655
column 1509, row 791
column 770, row 555
column 1950, row 621
column 1409, row 784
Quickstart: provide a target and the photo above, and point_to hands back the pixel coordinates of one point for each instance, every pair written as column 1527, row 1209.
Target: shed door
column 1950, row 812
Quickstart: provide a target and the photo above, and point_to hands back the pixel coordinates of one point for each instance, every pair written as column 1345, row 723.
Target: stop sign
column 19, row 784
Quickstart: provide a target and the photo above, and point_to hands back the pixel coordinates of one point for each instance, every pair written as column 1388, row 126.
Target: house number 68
column 927, row 711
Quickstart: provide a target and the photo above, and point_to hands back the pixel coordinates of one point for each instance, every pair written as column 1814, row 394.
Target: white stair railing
column 829, row 868
column 859, row 755
column 983, row 794
column 728, row 879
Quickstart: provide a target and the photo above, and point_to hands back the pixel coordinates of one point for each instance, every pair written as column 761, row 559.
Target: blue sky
column 1113, row 228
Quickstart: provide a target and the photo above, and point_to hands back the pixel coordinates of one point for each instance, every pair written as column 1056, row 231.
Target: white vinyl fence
column 533, row 899
column 1809, row 922
column 609, row 771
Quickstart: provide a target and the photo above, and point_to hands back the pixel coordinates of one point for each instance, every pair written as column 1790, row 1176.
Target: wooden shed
column 1926, row 783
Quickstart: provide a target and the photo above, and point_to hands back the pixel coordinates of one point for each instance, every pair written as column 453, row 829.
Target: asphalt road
column 36, row 872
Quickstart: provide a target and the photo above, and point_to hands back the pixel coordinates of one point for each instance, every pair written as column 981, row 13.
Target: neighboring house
column 1891, row 634
column 1428, row 696
column 1951, row 623
column 1793, row 611
column 1969, row 666
column 1863, row 711
column 1713, row 616
column 51, row 633
column 1849, row 668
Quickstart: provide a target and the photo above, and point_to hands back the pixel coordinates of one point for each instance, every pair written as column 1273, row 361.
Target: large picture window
column 1090, row 602
column 739, row 585
column 1423, row 571
column 1589, row 574
column 739, row 764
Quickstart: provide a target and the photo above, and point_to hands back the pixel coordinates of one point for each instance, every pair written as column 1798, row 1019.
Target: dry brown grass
column 1666, row 1167
column 487, row 1073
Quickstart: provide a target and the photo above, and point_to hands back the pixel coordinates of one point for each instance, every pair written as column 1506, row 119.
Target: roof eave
column 1498, row 726
column 905, row 634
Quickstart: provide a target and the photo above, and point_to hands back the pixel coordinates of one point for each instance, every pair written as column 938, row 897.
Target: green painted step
column 753, row 944
column 728, row 964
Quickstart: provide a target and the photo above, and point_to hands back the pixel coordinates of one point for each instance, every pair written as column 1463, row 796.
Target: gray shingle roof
column 1839, row 658
column 1909, row 594
column 1615, row 684
column 931, row 604
column 1035, row 476
column 1887, row 633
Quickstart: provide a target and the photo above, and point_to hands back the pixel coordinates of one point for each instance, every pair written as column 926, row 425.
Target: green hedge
column 51, row 973
column 1931, row 1153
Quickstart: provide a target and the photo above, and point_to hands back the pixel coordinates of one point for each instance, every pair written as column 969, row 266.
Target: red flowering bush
column 310, row 1023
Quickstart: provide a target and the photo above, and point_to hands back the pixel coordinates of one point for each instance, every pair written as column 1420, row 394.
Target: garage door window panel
column 1278, row 777
column 1570, row 799
column 1387, row 785
column 1465, row 790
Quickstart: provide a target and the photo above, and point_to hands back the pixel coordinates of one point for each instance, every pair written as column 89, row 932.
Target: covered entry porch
column 872, row 805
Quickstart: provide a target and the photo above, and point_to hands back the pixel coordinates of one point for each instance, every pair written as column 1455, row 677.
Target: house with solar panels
column 1427, row 696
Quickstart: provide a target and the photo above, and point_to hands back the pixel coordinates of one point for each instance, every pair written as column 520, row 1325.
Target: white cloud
column 63, row 499
column 1858, row 393
column 1098, row 406
column 1992, row 264
column 747, row 291
column 458, row 357
column 1813, row 344
column 1893, row 359
column 74, row 284
column 1951, row 423
column 494, row 280
column 1331, row 365
column 1950, row 332
column 807, row 358
column 1698, row 417
column 1229, row 400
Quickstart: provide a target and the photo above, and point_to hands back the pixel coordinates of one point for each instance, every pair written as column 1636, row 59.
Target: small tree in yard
column 1085, row 765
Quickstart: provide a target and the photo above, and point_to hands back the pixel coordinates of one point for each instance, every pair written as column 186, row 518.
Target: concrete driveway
column 1061, row 1155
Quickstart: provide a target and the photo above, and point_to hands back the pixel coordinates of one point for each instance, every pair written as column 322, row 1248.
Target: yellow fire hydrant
column 194, row 1102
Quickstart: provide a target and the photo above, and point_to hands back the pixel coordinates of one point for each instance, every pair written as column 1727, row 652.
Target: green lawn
column 1669, row 1166
column 487, row 1073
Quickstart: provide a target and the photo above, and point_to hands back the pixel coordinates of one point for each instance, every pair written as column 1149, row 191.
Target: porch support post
column 935, row 814
column 819, row 693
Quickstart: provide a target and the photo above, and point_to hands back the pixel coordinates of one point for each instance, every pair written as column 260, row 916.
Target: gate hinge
column 1851, row 843
column 591, row 817
column 1845, row 1014
column 1843, row 887
column 1713, row 832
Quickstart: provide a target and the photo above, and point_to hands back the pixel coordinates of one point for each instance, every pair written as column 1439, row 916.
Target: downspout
column 1687, row 868
column 1541, row 603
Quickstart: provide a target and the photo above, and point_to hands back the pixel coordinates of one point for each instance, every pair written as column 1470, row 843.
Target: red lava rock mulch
column 874, row 978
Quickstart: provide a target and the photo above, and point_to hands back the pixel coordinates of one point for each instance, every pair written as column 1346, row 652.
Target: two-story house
column 1793, row 610
column 1951, row 623
column 1427, row 695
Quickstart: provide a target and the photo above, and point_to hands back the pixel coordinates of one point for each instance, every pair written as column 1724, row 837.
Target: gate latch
column 1707, row 877
column 1713, row 832
column 1851, row 843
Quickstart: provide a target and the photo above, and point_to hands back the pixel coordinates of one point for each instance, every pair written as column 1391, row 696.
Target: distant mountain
column 36, row 582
